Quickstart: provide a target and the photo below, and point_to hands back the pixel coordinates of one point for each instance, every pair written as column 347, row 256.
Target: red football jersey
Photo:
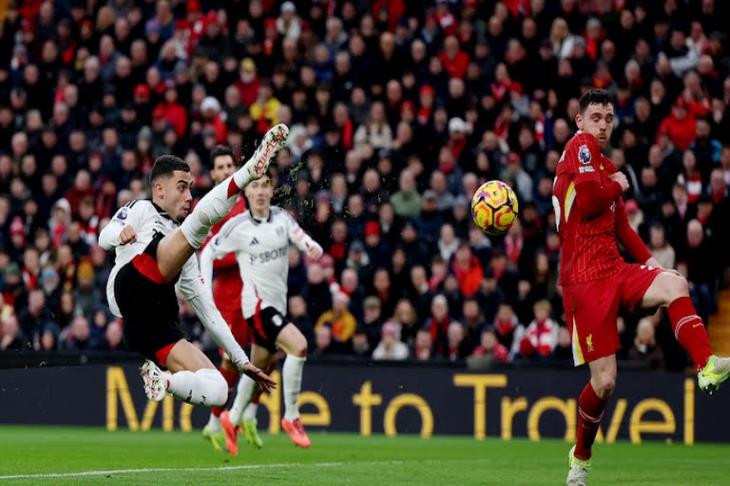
column 227, row 283
column 589, row 248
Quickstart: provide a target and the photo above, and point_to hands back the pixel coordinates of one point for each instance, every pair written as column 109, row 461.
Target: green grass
column 338, row 459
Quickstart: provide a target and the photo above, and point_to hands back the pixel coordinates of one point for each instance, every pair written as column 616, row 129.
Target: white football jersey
column 262, row 251
column 146, row 218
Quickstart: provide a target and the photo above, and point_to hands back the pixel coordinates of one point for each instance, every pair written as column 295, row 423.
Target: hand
column 263, row 381
column 652, row 262
column 127, row 235
column 621, row 179
column 314, row 251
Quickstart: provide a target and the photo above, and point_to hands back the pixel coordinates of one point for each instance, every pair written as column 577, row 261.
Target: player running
column 155, row 241
column 227, row 288
column 591, row 219
column 260, row 238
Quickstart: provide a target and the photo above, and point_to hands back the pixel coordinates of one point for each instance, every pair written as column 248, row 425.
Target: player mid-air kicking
column 227, row 287
column 155, row 241
column 260, row 239
column 591, row 219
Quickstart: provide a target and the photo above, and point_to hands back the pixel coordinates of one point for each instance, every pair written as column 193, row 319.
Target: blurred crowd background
column 398, row 111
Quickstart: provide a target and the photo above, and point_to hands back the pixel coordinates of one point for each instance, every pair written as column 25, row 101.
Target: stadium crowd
column 398, row 111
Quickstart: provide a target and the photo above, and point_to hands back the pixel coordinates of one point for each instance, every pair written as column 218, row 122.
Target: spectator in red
column 423, row 348
column 692, row 177
column 248, row 82
column 505, row 324
column 454, row 60
column 172, row 111
column 541, row 336
column 679, row 125
column 210, row 108
column 468, row 270
column 82, row 188
column 489, row 346
column 438, row 324
column 60, row 219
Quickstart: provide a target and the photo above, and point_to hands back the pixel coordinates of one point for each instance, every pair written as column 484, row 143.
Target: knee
column 218, row 389
column 604, row 384
column 301, row 349
column 677, row 287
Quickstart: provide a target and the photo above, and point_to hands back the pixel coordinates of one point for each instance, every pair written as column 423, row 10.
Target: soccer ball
column 494, row 207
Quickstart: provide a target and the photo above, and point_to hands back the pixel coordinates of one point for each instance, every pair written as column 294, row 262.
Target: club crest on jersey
column 584, row 155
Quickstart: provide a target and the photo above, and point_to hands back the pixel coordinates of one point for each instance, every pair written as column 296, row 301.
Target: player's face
column 222, row 168
column 260, row 193
column 597, row 120
column 173, row 194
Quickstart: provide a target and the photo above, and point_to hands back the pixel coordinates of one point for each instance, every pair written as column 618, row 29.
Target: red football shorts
column 591, row 309
column 239, row 327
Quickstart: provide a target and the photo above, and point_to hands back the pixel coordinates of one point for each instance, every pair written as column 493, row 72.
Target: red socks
column 689, row 330
column 590, row 412
column 230, row 377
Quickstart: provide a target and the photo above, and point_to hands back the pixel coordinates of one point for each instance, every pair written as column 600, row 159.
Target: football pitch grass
column 73, row 455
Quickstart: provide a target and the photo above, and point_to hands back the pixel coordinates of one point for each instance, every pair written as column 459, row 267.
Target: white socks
column 243, row 396
column 214, row 424
column 205, row 387
column 292, row 376
column 250, row 412
column 211, row 209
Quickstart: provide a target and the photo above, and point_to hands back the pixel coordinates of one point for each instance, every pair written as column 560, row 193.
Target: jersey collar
column 162, row 212
column 259, row 221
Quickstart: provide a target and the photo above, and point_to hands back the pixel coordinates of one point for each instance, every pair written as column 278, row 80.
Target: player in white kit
column 260, row 239
column 155, row 243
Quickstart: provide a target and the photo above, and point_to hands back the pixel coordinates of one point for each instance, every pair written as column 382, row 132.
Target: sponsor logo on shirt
column 587, row 168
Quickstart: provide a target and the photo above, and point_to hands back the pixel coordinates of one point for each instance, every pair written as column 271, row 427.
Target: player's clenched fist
column 314, row 251
column 621, row 179
column 127, row 235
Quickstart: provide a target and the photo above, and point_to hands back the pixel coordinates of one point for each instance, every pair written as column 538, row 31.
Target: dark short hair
column 166, row 164
column 220, row 151
column 595, row 97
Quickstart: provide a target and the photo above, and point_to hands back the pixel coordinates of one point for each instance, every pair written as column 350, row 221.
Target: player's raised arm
column 628, row 237
column 302, row 240
column 591, row 195
column 120, row 229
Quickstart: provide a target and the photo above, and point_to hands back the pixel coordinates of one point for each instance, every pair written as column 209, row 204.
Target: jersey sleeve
column 582, row 155
column 592, row 195
column 132, row 214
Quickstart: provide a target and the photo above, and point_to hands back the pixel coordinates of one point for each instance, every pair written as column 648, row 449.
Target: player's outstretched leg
column 218, row 202
column 212, row 430
column 175, row 249
column 292, row 341
column 672, row 290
